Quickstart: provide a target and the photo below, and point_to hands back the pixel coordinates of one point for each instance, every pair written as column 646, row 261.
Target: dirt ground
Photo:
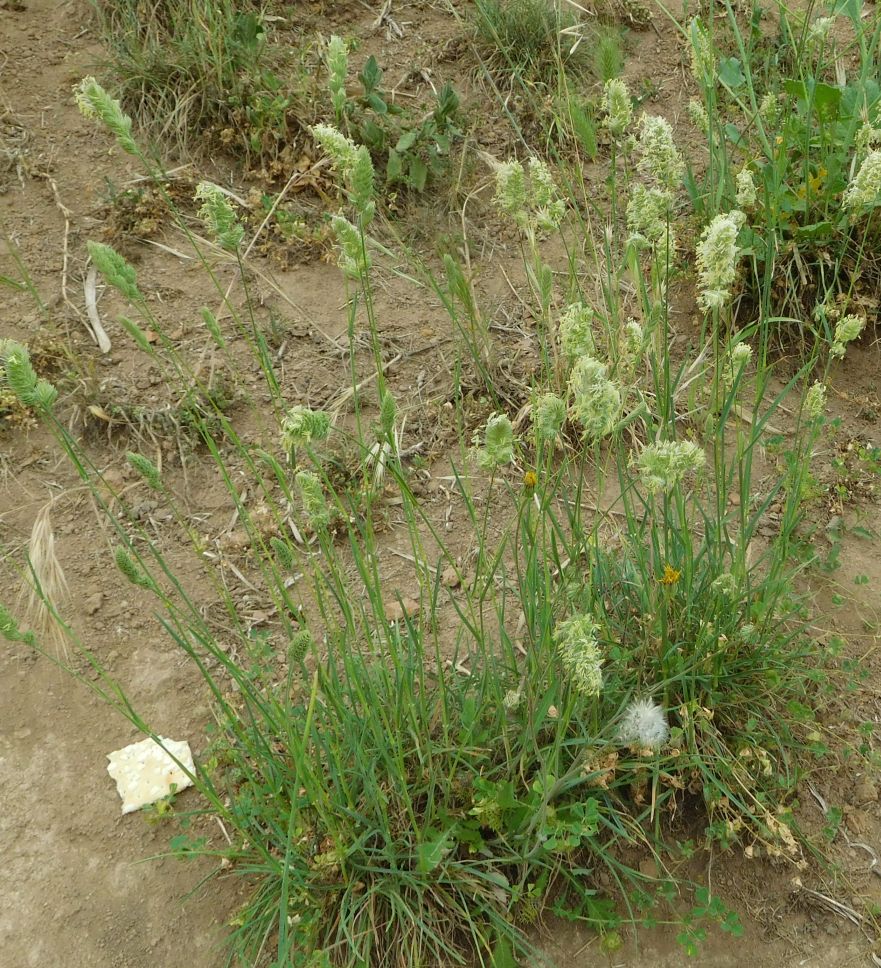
column 77, row 889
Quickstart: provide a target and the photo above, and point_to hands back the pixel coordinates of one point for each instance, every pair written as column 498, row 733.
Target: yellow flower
column 530, row 479
column 671, row 575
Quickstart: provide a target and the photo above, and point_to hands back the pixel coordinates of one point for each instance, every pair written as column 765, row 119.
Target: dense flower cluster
column 576, row 331
column 659, row 156
column 596, row 400
column 617, row 106
column 579, row 652
column 664, row 464
column 717, row 255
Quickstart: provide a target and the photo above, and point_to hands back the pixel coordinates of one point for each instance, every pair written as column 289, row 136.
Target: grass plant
column 624, row 648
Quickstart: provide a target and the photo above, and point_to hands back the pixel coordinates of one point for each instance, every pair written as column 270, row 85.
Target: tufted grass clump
column 533, row 39
column 191, row 70
column 615, row 639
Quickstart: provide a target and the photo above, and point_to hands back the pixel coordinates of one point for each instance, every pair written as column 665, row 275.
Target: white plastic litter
column 145, row 773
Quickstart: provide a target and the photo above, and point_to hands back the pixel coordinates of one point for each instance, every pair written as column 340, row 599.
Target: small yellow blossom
column 530, row 479
column 671, row 575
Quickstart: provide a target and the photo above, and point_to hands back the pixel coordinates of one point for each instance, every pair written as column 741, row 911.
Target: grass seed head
column 659, row 156
column 596, row 400
column 498, row 442
column 94, row 102
column 664, row 464
column 576, row 331
column 618, row 107
column 579, row 652
column 548, row 417
column 219, row 217
column 717, row 255
column 864, row 191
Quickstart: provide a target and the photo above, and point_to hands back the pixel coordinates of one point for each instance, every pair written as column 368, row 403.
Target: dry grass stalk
column 47, row 587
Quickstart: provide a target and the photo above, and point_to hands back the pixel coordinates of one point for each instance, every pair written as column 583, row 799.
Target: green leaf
column 407, row 140
column 371, row 76
column 730, row 73
column 433, row 850
column 377, row 103
column 814, row 232
column 373, row 136
column 847, row 8
column 503, row 956
column 732, row 133
column 418, row 174
column 447, row 103
column 393, row 168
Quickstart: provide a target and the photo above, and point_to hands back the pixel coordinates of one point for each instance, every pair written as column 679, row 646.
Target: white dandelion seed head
column 644, row 724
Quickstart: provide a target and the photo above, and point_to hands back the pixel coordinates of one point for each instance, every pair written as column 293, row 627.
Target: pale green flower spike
column 511, row 189
column 548, row 416
column 94, row 102
column 10, row 630
column 634, row 339
column 532, row 202
column 498, row 441
column 314, row 502
column 717, row 256
column 353, row 164
column 664, row 464
column 741, row 355
column 301, row 426
column 746, row 196
column 596, row 401
column 512, row 700
column 20, row 376
column 698, row 115
column 576, row 331
column 218, row 216
column 146, row 469
column 866, row 139
column 547, row 206
column 847, row 329
column 703, row 57
column 580, row 654
column 725, row 585
column 299, row 646
column 388, row 412
column 127, row 565
column 659, row 156
column 617, row 106
column 864, row 191
column 115, row 270
column 338, row 68
column 283, row 552
column 353, row 257
column 340, row 149
column 769, row 109
column 815, row 401
column 361, row 184
column 818, row 32
column 648, row 217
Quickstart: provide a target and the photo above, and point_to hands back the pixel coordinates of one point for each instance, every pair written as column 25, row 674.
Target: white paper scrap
column 144, row 772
